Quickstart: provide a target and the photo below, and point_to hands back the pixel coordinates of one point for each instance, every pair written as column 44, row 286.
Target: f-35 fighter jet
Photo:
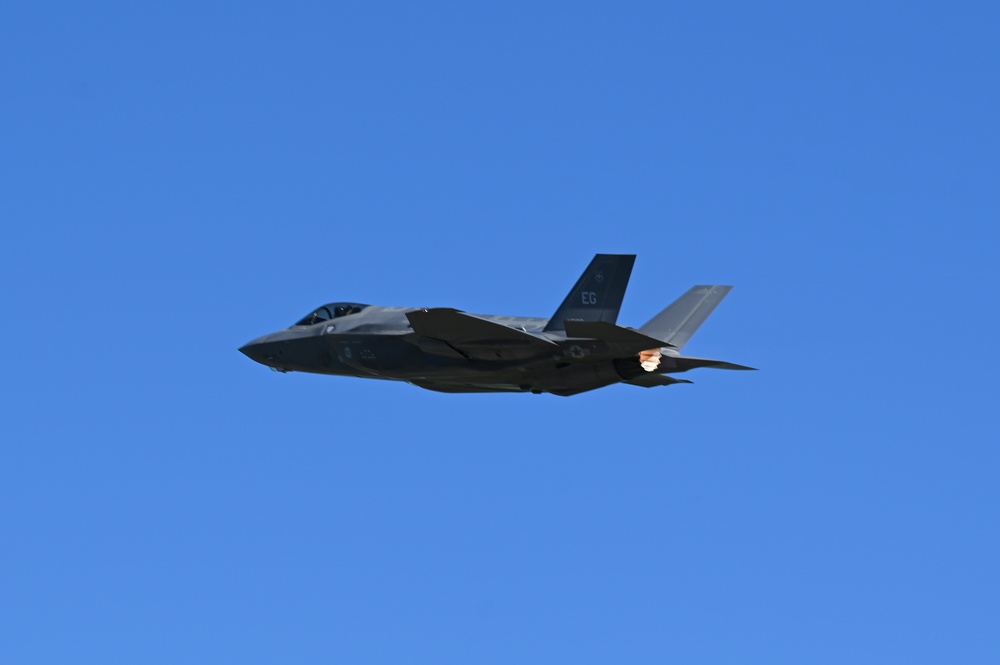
column 579, row 349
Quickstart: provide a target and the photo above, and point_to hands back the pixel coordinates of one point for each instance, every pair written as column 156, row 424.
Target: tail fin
column 681, row 319
column 598, row 293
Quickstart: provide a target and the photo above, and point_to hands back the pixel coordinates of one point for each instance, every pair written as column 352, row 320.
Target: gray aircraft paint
column 579, row 349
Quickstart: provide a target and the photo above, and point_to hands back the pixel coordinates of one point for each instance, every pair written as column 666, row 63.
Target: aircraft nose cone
column 254, row 350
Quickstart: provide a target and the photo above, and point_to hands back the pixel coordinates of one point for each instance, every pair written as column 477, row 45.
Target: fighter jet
column 580, row 348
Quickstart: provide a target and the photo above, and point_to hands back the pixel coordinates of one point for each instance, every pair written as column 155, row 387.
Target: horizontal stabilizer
column 684, row 363
column 682, row 318
column 474, row 337
column 653, row 380
column 632, row 340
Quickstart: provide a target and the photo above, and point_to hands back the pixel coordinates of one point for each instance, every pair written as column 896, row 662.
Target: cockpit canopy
column 334, row 310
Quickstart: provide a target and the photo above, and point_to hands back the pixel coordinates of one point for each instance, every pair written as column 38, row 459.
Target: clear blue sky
column 179, row 178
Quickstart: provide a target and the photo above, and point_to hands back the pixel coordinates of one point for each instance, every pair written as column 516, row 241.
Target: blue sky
column 180, row 178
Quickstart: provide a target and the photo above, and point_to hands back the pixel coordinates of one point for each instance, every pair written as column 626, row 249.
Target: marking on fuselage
column 589, row 297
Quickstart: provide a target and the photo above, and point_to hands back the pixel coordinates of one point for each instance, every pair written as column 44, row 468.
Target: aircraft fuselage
column 578, row 349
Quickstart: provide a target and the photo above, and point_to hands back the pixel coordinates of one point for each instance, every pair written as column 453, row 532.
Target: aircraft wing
column 473, row 337
column 440, row 387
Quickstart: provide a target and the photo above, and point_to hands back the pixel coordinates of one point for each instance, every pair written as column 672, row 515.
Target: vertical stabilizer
column 598, row 293
column 681, row 319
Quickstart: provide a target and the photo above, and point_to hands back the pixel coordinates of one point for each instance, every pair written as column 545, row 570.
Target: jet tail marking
column 679, row 321
column 598, row 294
